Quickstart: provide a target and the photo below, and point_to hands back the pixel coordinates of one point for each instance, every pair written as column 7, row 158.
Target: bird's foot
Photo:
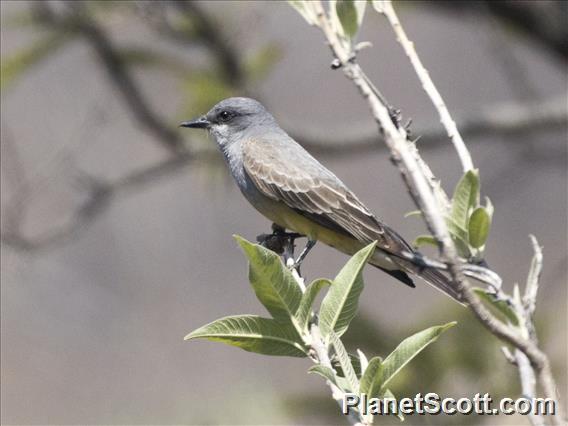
column 309, row 245
column 279, row 241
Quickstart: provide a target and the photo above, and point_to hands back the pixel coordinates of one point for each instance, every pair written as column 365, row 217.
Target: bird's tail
column 414, row 267
column 440, row 282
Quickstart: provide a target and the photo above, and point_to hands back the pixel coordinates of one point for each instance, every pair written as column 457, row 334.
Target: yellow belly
column 287, row 218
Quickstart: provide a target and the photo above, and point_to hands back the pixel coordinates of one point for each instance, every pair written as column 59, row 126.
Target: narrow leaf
column 326, row 372
column 404, row 353
column 355, row 362
column 387, row 394
column 479, row 225
column 253, row 334
column 345, row 363
column 500, row 307
column 304, row 311
column 347, row 14
column 363, row 362
column 369, row 385
column 423, row 240
column 460, row 237
column 272, row 282
column 466, row 198
column 339, row 306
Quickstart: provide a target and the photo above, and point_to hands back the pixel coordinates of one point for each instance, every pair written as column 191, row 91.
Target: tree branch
column 429, row 88
column 406, row 159
column 100, row 196
column 318, row 348
column 501, row 119
column 78, row 20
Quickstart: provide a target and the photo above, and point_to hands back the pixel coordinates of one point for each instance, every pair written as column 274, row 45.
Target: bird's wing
column 285, row 172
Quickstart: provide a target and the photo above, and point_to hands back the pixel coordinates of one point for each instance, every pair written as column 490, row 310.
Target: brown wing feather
column 306, row 186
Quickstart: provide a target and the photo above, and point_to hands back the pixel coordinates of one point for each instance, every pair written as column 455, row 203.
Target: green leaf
column 340, row 303
column 24, row 59
column 465, row 199
column 500, row 307
column 369, row 385
column 388, row 394
column 363, row 362
column 305, row 309
column 273, row 283
column 305, row 10
column 403, row 354
column 326, row 372
column 345, row 362
column 347, row 14
column 460, row 237
column 253, row 334
column 355, row 362
column 479, row 225
column 423, row 240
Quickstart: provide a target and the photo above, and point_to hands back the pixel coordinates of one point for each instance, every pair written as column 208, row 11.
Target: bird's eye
column 225, row 116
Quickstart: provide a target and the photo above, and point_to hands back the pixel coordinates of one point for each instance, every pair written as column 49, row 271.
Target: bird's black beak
column 198, row 123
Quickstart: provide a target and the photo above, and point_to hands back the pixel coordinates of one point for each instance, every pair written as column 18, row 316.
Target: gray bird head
column 231, row 118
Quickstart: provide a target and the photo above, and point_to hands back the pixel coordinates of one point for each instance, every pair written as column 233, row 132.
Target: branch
column 542, row 21
column 78, row 20
column 213, row 36
column 100, row 196
column 318, row 347
column 502, row 119
column 429, row 88
column 405, row 157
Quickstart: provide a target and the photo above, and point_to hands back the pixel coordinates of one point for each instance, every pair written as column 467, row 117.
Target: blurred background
column 117, row 226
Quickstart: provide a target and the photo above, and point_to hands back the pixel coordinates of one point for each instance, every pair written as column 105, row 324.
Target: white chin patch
column 220, row 131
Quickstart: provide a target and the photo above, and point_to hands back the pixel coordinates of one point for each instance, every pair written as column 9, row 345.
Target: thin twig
column 429, row 87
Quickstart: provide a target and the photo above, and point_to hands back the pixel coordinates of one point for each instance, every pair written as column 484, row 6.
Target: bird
column 291, row 188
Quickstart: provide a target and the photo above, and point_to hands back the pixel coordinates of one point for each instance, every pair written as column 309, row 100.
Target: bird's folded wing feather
column 284, row 171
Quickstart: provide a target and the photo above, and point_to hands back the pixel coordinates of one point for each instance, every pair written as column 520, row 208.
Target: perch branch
column 318, row 347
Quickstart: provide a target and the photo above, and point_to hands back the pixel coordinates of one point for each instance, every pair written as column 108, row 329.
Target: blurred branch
column 77, row 19
column 100, row 196
column 213, row 36
column 503, row 119
column 543, row 21
column 200, row 28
